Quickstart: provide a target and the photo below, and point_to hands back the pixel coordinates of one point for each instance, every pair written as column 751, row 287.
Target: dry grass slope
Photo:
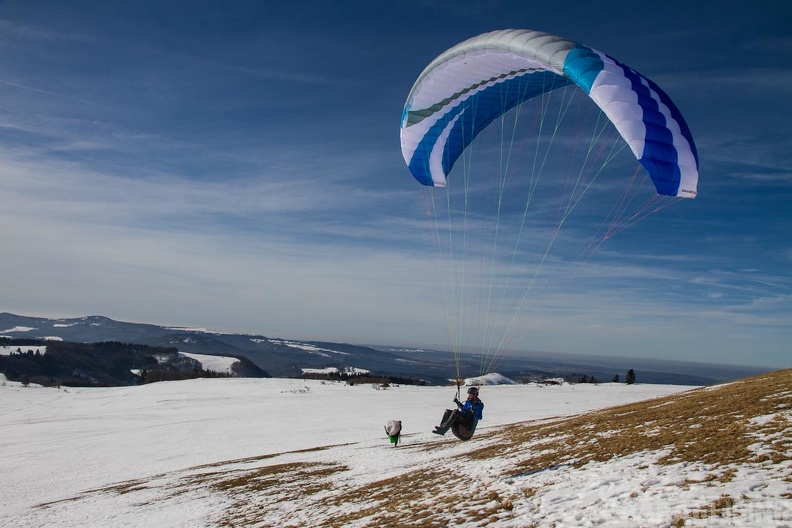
column 709, row 425
column 713, row 426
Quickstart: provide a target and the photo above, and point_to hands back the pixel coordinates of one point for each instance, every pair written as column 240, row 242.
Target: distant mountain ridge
column 287, row 358
column 278, row 357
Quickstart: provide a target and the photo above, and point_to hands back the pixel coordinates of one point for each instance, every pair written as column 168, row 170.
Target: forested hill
column 104, row 364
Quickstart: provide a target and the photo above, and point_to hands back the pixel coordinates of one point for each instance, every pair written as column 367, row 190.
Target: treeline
column 104, row 364
column 153, row 376
column 629, row 379
column 363, row 378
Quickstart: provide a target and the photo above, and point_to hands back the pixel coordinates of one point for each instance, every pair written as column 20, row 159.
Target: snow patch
column 490, row 379
column 220, row 364
column 312, row 349
column 5, row 383
column 333, row 370
column 196, row 330
column 18, row 329
column 14, row 349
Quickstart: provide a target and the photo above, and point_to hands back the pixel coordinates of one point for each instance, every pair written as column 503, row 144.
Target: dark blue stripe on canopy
column 660, row 157
column 475, row 113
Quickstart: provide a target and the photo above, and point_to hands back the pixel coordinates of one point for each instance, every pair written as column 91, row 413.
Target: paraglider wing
column 472, row 84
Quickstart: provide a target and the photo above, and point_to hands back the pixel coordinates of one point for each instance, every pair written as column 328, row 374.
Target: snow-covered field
column 165, row 454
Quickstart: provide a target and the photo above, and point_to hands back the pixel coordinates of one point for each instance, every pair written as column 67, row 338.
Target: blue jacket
column 476, row 407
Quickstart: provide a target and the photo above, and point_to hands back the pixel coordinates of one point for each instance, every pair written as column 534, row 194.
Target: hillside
column 107, row 364
column 289, row 357
column 715, row 456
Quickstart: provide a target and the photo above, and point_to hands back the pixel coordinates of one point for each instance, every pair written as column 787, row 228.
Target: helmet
column 473, row 390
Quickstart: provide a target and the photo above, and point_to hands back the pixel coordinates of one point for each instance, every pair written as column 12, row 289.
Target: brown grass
column 711, row 426
column 281, row 482
column 707, row 425
column 718, row 507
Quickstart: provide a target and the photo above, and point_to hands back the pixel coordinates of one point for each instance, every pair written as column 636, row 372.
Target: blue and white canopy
column 472, row 84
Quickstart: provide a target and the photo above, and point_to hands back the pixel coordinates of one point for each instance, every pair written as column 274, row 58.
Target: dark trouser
column 449, row 417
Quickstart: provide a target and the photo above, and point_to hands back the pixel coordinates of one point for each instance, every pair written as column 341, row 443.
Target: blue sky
column 237, row 167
